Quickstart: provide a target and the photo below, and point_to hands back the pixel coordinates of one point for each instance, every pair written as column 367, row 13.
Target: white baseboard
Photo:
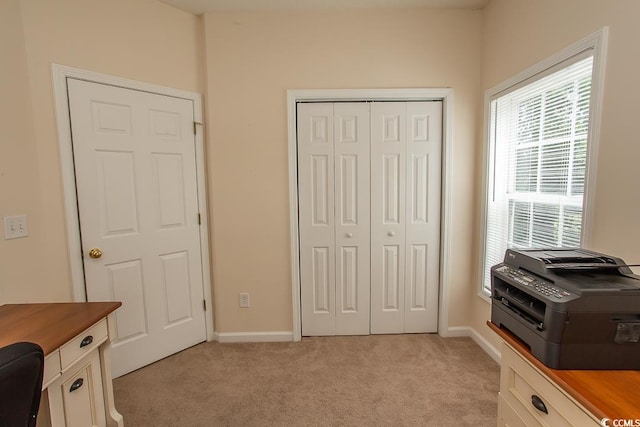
column 467, row 331
column 273, row 336
column 286, row 336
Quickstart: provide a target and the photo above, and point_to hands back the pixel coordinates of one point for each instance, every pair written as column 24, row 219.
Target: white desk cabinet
column 532, row 394
column 529, row 398
column 76, row 338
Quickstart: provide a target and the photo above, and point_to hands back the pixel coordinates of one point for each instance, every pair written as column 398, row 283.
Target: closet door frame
column 339, row 95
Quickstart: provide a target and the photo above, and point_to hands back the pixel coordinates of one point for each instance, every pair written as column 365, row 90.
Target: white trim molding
column 237, row 337
column 361, row 95
column 60, row 74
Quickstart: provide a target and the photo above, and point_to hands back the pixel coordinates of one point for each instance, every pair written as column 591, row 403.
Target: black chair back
column 21, row 370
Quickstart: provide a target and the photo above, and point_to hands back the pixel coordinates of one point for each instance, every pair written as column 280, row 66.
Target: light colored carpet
column 377, row 380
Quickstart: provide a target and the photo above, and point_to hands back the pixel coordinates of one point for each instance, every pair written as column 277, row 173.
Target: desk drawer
column 51, row 368
column 520, row 381
column 83, row 344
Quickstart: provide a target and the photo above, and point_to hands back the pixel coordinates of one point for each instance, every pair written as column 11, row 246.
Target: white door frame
column 63, row 120
column 330, row 95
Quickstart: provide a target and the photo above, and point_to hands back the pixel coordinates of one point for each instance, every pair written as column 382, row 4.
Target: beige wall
column 252, row 59
column 19, row 175
column 136, row 39
column 519, row 33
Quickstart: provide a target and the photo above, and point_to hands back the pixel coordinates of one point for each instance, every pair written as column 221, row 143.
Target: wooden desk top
column 51, row 324
column 606, row 394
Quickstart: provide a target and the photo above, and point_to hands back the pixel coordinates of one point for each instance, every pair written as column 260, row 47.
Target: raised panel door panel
column 419, row 124
column 111, row 118
column 165, row 125
column 391, row 278
column 418, row 273
column 320, row 129
column 126, row 285
column 177, row 284
column 419, row 197
column 321, row 283
column 320, row 191
column 348, row 191
column 391, row 183
column 348, row 280
column 392, row 120
column 117, row 196
column 168, row 178
column 348, row 124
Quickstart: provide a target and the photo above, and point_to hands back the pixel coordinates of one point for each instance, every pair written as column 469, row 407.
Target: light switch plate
column 244, row 300
column 15, row 227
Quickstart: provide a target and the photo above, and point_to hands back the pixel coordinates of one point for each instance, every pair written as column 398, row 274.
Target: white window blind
column 537, row 157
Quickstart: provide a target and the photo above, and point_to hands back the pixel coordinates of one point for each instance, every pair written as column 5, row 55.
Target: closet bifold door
column 423, row 206
column 388, row 192
column 352, row 222
column 406, row 140
column 316, row 218
column 333, row 195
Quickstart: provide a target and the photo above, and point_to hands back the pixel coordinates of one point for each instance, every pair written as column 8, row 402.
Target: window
column 538, row 143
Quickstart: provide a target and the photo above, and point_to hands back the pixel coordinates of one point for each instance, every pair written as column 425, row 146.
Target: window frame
column 596, row 43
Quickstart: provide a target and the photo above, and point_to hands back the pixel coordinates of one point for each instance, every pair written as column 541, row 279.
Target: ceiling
column 202, row 6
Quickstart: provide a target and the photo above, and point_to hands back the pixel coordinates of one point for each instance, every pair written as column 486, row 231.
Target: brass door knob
column 95, row 253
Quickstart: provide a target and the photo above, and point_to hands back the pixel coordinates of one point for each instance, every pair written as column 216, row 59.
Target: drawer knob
column 538, row 404
column 86, row 341
column 76, row 385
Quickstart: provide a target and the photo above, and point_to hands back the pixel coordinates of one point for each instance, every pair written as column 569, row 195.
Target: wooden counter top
column 605, row 393
column 50, row 324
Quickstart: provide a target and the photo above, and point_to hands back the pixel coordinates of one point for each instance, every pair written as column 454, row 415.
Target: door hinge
column 195, row 127
column 204, row 304
column 199, row 219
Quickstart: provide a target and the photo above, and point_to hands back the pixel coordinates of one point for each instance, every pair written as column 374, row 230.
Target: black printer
column 574, row 308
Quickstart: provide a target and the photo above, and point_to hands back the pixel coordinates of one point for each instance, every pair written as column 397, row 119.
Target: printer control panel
column 533, row 283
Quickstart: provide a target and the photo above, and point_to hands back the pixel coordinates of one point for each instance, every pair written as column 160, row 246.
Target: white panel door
column 388, row 194
column 369, row 216
column 333, row 159
column 406, row 141
column 422, row 216
column 134, row 156
column 316, row 218
column 351, row 160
